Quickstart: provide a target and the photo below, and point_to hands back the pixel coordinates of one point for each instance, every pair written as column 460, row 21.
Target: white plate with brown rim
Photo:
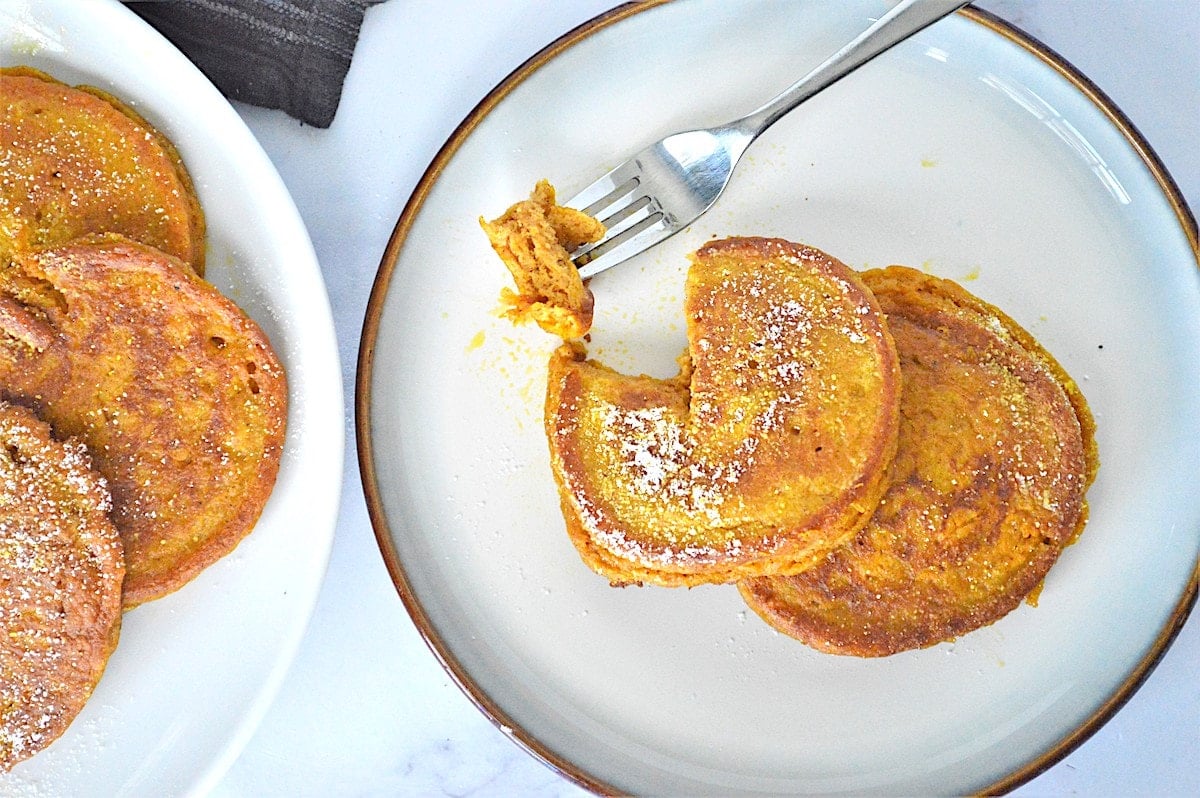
column 969, row 151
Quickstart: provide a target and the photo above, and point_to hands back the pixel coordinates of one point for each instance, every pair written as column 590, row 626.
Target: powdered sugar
column 651, row 445
column 61, row 563
column 685, row 476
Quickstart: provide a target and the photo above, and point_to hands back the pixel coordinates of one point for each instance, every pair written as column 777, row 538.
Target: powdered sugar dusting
column 773, row 352
column 61, row 565
column 651, row 444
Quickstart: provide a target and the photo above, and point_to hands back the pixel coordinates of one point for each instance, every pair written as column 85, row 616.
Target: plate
column 195, row 671
column 969, row 151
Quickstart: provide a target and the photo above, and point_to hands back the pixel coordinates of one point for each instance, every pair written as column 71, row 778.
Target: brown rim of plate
column 362, row 396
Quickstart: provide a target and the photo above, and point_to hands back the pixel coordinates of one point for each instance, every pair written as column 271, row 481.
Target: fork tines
column 632, row 218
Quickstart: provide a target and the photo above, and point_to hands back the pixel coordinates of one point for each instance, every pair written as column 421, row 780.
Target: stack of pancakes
column 143, row 410
column 880, row 461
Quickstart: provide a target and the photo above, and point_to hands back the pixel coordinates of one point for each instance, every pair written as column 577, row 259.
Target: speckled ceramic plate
column 195, row 671
column 968, row 151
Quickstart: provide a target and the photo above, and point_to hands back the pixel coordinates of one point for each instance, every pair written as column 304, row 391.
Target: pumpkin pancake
column 60, row 583
column 996, row 453
column 33, row 358
column 75, row 161
column 175, row 391
column 771, row 446
column 535, row 238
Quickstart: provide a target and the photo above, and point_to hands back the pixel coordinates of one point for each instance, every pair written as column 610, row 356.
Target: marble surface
column 366, row 709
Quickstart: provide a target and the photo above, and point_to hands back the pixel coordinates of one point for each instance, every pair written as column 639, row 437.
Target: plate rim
column 374, row 313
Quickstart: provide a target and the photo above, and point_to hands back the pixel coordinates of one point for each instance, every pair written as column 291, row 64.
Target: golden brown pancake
column 61, row 568
column 75, row 161
column 33, row 361
column 770, row 448
column 996, row 452
column 535, row 238
column 175, row 391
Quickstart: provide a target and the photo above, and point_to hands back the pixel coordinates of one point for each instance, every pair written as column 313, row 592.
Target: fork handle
column 902, row 21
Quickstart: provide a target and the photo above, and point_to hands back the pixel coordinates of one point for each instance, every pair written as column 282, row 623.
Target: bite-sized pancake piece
column 61, row 568
column 175, row 391
column 75, row 161
column 770, row 448
column 535, row 238
column 996, row 453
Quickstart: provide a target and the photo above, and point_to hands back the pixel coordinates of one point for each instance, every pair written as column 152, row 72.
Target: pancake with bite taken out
column 769, row 449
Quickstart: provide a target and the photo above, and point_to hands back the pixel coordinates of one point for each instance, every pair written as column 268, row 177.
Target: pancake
column 75, row 161
column 61, row 568
column 996, row 453
column 174, row 390
column 768, row 449
column 33, row 361
column 535, row 238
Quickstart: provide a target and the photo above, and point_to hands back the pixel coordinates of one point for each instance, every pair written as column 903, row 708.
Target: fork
column 668, row 185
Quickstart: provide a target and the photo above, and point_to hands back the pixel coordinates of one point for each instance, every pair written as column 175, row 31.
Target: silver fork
column 666, row 186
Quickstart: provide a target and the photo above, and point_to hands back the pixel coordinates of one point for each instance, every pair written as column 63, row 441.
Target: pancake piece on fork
column 996, row 453
column 76, row 161
column 771, row 446
column 535, row 238
column 174, row 390
column 61, row 569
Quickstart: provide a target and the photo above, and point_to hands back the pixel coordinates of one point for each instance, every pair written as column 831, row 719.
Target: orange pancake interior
column 535, row 238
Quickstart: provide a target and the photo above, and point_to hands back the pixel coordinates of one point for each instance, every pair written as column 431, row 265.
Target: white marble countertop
column 366, row 708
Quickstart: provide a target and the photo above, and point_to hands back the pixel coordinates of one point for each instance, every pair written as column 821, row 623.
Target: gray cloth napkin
column 287, row 54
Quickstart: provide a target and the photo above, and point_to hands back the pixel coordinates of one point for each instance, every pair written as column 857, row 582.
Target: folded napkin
column 287, row 54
